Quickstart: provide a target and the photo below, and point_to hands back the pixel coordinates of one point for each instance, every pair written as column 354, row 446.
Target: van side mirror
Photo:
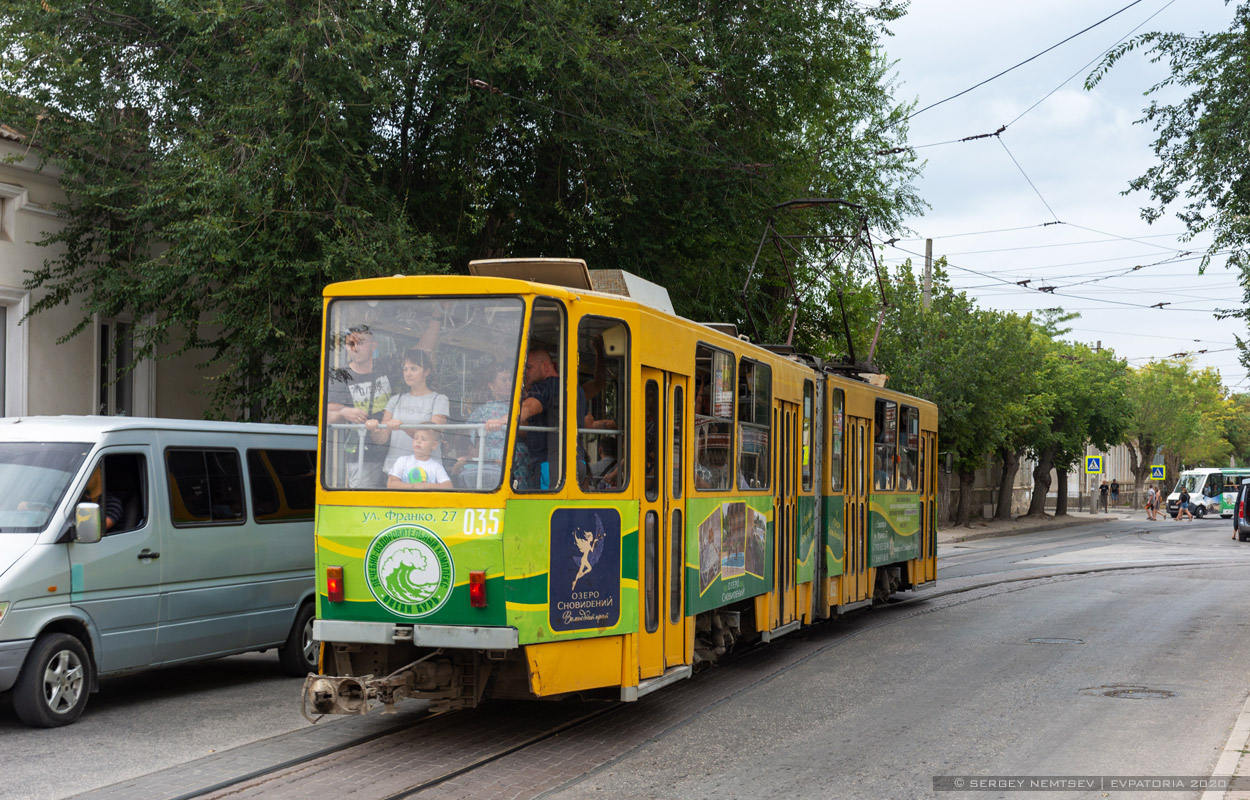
column 87, row 523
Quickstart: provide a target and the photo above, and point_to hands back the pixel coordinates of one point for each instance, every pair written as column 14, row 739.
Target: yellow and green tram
column 537, row 480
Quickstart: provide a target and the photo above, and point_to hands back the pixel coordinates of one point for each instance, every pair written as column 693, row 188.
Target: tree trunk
column 1173, row 464
column 966, row 478
column 1061, row 493
column 1140, row 453
column 1011, row 465
column 1041, row 482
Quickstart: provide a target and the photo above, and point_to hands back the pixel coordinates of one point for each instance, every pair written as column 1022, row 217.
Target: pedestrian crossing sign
column 1093, row 464
column 1158, row 472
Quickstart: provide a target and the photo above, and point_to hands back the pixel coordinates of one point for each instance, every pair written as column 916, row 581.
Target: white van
column 1212, row 491
column 127, row 544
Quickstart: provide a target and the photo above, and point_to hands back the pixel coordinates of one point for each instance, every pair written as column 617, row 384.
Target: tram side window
column 755, row 400
column 538, row 462
column 885, row 448
column 909, row 444
column 837, row 435
column 808, row 399
column 713, row 418
column 603, row 404
column 924, row 464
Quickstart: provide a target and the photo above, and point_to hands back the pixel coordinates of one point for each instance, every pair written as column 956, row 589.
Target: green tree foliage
column 1237, row 427
column 1202, row 141
column 220, row 171
column 1084, row 401
column 224, row 162
column 1177, row 410
column 975, row 364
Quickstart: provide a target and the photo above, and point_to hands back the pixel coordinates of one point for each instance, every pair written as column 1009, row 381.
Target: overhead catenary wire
column 1049, row 290
column 1022, row 63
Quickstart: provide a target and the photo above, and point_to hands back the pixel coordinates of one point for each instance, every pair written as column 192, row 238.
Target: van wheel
column 52, row 688
column 299, row 654
column 1199, row 512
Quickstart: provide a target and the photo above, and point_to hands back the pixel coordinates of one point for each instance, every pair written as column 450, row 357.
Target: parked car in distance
column 1241, row 513
column 128, row 544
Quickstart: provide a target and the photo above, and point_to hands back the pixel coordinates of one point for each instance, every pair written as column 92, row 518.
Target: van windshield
column 1190, row 481
column 33, row 479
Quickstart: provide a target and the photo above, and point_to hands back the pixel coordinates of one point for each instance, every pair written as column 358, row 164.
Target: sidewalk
column 988, row 528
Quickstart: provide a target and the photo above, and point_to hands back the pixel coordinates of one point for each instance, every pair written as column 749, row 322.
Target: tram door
column 661, row 607
column 928, row 506
column 855, row 581
column 785, row 511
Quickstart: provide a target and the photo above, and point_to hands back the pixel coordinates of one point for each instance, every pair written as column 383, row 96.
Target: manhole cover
column 1050, row 640
column 1130, row 692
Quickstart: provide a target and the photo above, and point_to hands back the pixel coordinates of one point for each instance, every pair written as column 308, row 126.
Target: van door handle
column 149, row 554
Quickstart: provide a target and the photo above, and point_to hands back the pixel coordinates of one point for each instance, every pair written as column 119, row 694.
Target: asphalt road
column 1131, row 672
column 140, row 723
column 1137, row 670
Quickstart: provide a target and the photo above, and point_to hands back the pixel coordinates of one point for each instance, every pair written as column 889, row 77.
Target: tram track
column 543, row 746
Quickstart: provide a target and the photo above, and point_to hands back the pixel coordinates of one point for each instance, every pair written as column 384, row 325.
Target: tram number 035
column 481, row 521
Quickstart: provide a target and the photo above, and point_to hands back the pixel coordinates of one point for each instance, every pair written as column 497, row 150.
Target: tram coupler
column 349, row 694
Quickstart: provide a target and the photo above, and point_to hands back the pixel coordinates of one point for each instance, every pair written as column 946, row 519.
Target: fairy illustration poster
column 585, row 575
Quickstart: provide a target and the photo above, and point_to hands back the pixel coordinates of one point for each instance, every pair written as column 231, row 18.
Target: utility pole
column 928, row 273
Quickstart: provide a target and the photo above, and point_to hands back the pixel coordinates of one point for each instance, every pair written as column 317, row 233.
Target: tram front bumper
column 459, row 637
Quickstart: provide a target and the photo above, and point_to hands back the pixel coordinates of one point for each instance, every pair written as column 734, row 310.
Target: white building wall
column 42, row 376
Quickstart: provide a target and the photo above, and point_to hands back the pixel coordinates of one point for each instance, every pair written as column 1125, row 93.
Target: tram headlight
column 334, row 584
column 477, row 588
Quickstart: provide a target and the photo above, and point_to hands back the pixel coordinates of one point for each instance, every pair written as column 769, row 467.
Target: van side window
column 118, row 483
column 205, row 486
column 282, row 483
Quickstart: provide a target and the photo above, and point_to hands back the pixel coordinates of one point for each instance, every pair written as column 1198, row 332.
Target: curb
column 950, row 537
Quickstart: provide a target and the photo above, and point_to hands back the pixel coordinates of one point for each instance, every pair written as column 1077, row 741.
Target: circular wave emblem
column 409, row 570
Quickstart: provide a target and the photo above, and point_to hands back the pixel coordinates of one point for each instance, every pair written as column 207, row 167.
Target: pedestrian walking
column 1183, row 506
column 1115, row 492
column 1102, row 495
column 1152, row 504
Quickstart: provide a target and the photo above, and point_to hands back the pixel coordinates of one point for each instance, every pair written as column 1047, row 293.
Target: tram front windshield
column 418, row 392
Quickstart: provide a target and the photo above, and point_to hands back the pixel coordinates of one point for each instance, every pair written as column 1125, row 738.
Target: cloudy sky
column 1066, row 156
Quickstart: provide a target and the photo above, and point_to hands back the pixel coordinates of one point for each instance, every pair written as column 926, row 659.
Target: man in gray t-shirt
column 355, row 395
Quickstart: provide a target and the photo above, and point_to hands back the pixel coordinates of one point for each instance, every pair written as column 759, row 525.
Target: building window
column 10, row 197
column 13, row 307
column 117, row 395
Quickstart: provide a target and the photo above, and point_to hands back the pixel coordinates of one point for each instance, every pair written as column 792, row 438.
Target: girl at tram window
column 420, row 404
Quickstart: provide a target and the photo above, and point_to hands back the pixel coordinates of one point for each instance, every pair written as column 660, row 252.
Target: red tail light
column 477, row 589
column 334, row 584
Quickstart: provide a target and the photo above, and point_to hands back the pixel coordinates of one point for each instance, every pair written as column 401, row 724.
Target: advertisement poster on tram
column 805, row 569
column 835, row 535
column 728, row 551
column 585, row 588
column 893, row 529
column 572, row 569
